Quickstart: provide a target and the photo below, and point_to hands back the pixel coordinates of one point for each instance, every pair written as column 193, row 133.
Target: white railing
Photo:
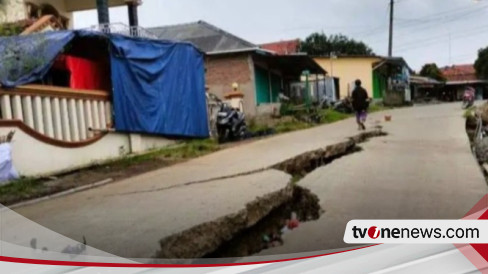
column 59, row 113
column 119, row 28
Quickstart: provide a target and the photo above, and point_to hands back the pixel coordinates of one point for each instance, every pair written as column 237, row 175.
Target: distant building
column 425, row 89
column 458, row 78
column 262, row 74
column 378, row 75
column 459, row 73
column 283, row 47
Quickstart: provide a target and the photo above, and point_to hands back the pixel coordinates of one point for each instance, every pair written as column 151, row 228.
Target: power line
column 441, row 18
column 437, row 39
column 452, row 12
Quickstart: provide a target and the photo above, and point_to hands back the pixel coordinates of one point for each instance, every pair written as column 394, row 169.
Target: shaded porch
column 275, row 74
column 391, row 78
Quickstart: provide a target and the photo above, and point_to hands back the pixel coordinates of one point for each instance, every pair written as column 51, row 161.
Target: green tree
column 432, row 71
column 321, row 44
column 481, row 64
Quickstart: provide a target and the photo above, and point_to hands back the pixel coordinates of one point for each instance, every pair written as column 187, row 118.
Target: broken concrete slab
column 182, row 217
column 242, row 159
column 132, row 225
column 423, row 169
column 299, row 166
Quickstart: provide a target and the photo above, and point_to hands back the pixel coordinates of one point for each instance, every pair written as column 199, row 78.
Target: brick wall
column 223, row 71
column 228, row 69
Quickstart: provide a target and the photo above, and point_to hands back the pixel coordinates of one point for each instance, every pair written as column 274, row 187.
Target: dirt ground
column 30, row 189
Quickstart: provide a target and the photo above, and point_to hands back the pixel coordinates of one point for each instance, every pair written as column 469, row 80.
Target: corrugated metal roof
column 415, row 79
column 203, row 35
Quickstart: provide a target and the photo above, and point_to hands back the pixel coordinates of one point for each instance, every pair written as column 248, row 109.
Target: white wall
column 34, row 158
column 141, row 143
column 12, row 10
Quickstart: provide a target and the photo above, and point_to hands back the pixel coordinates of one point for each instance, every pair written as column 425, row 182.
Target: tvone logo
column 373, row 232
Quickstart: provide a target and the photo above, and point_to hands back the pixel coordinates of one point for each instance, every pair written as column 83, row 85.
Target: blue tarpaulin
column 158, row 87
column 26, row 59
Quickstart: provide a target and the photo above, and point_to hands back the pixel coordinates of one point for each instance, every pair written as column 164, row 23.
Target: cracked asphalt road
column 423, row 169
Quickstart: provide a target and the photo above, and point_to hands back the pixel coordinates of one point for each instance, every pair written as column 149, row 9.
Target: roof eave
column 222, row 52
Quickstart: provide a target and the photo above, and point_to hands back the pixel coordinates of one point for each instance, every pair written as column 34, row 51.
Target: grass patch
column 183, row 151
column 24, row 188
column 30, row 188
column 190, row 149
column 289, row 126
column 330, row 116
column 254, row 127
column 289, row 123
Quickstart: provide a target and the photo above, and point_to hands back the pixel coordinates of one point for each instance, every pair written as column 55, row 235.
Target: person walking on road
column 360, row 104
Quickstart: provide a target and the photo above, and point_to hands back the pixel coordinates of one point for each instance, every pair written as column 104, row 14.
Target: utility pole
column 390, row 43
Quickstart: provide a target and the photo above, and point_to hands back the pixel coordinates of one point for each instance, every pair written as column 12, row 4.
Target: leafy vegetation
column 293, row 125
column 255, row 127
column 183, row 151
column 24, row 188
column 289, row 122
column 481, row 64
column 330, row 116
column 191, row 149
column 321, row 44
column 432, row 71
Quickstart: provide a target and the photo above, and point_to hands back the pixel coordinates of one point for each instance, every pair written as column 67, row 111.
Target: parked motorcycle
column 326, row 103
column 344, row 106
column 231, row 124
column 468, row 98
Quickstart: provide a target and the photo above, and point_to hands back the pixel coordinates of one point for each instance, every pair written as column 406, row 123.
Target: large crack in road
column 240, row 234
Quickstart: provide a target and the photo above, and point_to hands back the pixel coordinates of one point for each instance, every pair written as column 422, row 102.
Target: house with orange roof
column 458, row 78
column 287, row 47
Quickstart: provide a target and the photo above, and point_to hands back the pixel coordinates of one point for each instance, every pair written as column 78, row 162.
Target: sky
column 445, row 32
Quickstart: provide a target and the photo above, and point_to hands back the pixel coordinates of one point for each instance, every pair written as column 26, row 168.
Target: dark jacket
column 360, row 99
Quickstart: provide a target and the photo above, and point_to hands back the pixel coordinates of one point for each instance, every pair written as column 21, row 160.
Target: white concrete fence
column 58, row 113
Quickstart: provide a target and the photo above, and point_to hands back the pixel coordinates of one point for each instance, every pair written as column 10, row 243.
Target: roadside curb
column 61, row 194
